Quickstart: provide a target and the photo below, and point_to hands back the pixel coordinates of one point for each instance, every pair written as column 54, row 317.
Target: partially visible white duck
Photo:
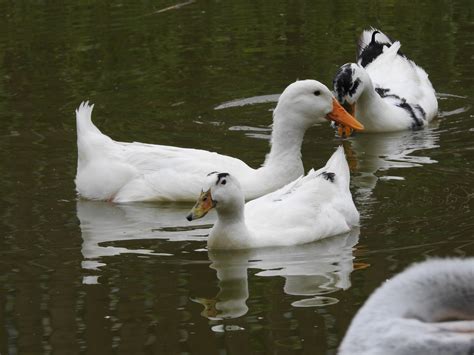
column 123, row 172
column 427, row 309
column 389, row 91
column 310, row 208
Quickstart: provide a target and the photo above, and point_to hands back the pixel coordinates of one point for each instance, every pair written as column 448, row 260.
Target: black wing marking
column 416, row 112
column 367, row 53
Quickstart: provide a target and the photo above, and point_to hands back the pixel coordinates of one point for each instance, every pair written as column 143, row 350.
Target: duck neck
column 230, row 230
column 287, row 138
column 370, row 105
column 368, row 94
column 233, row 215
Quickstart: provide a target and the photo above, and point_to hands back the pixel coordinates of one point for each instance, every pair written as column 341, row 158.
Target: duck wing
column 123, row 172
column 398, row 79
column 312, row 207
column 172, row 173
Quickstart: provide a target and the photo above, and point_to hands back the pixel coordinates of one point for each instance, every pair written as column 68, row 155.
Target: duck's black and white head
column 221, row 191
column 349, row 83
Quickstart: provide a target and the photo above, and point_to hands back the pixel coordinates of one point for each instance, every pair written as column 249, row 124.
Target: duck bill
column 350, row 108
column 342, row 117
column 204, row 204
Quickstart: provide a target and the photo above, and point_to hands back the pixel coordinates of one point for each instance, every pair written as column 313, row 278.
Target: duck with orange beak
column 125, row 172
column 385, row 90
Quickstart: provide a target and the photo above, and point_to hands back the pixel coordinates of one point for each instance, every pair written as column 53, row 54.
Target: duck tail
column 84, row 121
column 393, row 50
column 370, row 37
column 90, row 140
column 370, row 45
column 338, row 168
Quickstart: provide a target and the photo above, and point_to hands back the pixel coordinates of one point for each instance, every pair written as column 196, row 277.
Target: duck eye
column 223, row 182
column 317, row 93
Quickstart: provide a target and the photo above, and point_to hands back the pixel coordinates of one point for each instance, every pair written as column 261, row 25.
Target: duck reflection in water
column 371, row 156
column 313, row 270
column 103, row 223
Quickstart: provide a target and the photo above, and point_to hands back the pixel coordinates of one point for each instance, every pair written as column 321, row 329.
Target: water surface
column 92, row 277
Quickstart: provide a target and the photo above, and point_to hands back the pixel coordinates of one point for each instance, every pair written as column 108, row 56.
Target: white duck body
column 427, row 309
column 390, row 92
column 124, row 172
column 310, row 208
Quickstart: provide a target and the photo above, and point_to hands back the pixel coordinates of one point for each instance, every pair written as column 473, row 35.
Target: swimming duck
column 387, row 91
column 310, row 208
column 427, row 309
column 124, row 172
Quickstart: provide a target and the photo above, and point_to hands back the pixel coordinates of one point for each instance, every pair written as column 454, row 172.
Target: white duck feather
column 124, row 172
column 390, row 92
column 427, row 309
column 310, row 208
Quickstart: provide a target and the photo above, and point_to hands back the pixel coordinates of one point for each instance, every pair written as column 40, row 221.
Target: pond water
column 93, row 277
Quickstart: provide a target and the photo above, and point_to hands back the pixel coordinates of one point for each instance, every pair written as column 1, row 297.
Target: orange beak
column 342, row 117
column 351, row 109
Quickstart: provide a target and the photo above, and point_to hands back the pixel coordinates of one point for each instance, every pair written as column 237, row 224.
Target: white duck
column 389, row 91
column 427, row 309
column 123, row 172
column 312, row 207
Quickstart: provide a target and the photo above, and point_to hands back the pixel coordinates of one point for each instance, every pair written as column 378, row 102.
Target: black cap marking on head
column 343, row 81
column 221, row 176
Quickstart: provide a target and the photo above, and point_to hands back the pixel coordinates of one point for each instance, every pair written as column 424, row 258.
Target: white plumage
column 427, row 309
column 390, row 92
column 123, row 172
column 312, row 207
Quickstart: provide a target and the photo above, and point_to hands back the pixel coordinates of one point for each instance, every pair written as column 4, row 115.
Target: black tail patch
column 372, row 41
column 328, row 176
column 369, row 52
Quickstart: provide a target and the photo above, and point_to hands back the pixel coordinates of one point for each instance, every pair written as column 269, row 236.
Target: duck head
column 223, row 192
column 309, row 102
column 349, row 83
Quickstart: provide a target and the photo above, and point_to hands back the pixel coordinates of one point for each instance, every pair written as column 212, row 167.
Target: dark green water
column 97, row 278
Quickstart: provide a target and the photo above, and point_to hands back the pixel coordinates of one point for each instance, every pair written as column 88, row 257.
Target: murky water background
column 91, row 277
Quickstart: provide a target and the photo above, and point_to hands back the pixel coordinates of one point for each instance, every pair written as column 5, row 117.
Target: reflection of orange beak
column 210, row 310
column 342, row 117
